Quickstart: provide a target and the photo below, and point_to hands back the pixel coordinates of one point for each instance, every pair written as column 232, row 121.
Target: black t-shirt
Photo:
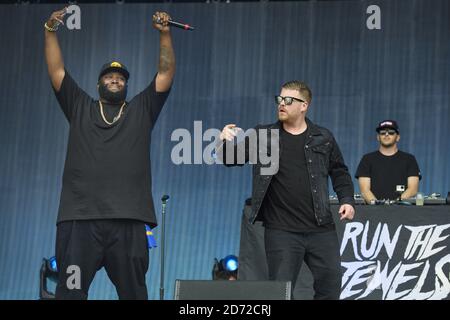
column 288, row 204
column 386, row 172
column 107, row 169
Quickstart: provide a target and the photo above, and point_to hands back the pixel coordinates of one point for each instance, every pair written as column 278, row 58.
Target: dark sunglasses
column 389, row 132
column 287, row 100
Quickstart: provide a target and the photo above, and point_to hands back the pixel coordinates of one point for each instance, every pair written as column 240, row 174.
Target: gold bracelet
column 49, row 28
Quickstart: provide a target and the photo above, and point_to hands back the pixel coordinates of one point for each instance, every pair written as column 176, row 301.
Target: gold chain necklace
column 115, row 118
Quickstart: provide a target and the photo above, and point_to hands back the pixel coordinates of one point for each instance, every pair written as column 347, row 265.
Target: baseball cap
column 387, row 124
column 114, row 66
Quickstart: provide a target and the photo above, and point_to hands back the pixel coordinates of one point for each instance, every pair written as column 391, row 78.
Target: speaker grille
column 232, row 290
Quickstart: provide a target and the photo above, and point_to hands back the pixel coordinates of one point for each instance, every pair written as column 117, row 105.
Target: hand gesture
column 347, row 212
column 229, row 132
column 56, row 18
column 161, row 21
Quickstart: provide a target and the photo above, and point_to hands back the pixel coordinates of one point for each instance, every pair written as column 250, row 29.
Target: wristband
column 49, row 28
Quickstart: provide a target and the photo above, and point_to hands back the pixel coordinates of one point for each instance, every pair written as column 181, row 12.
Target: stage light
column 48, row 272
column 52, row 264
column 230, row 263
column 226, row 268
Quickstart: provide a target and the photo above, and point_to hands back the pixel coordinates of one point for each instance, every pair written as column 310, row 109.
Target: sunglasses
column 287, row 100
column 389, row 132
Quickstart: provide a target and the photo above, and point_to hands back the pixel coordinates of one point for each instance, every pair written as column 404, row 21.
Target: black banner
column 388, row 253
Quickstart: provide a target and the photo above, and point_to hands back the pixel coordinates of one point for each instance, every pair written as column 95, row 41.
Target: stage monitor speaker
column 232, row 290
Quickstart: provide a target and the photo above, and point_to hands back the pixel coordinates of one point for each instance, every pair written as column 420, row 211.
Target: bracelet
column 49, row 28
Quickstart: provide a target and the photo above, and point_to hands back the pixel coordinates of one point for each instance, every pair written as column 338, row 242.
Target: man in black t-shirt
column 388, row 173
column 106, row 195
column 293, row 202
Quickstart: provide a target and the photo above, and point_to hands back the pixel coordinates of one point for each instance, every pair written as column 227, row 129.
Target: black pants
column 286, row 251
column 88, row 245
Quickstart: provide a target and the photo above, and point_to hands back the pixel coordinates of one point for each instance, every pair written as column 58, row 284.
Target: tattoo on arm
column 166, row 59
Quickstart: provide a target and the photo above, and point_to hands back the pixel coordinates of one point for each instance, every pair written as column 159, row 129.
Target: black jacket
column 323, row 159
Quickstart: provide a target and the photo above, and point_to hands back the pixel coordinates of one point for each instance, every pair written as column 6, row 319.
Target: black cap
column 387, row 124
column 114, row 66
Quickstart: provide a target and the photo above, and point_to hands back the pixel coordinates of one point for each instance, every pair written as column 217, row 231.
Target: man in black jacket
column 293, row 201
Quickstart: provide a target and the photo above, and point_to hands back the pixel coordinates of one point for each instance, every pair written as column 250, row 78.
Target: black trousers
column 286, row 251
column 85, row 246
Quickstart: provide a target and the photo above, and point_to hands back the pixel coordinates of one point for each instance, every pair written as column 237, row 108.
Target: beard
column 110, row 96
column 282, row 116
column 388, row 144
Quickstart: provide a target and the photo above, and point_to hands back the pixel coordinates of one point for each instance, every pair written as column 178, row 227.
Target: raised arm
column 166, row 68
column 53, row 55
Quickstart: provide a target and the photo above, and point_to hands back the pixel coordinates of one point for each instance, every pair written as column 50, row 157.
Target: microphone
column 177, row 24
column 165, row 198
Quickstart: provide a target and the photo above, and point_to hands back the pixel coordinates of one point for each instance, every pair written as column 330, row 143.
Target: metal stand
column 163, row 224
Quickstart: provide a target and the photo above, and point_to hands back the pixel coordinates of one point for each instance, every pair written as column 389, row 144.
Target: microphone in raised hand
column 166, row 20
